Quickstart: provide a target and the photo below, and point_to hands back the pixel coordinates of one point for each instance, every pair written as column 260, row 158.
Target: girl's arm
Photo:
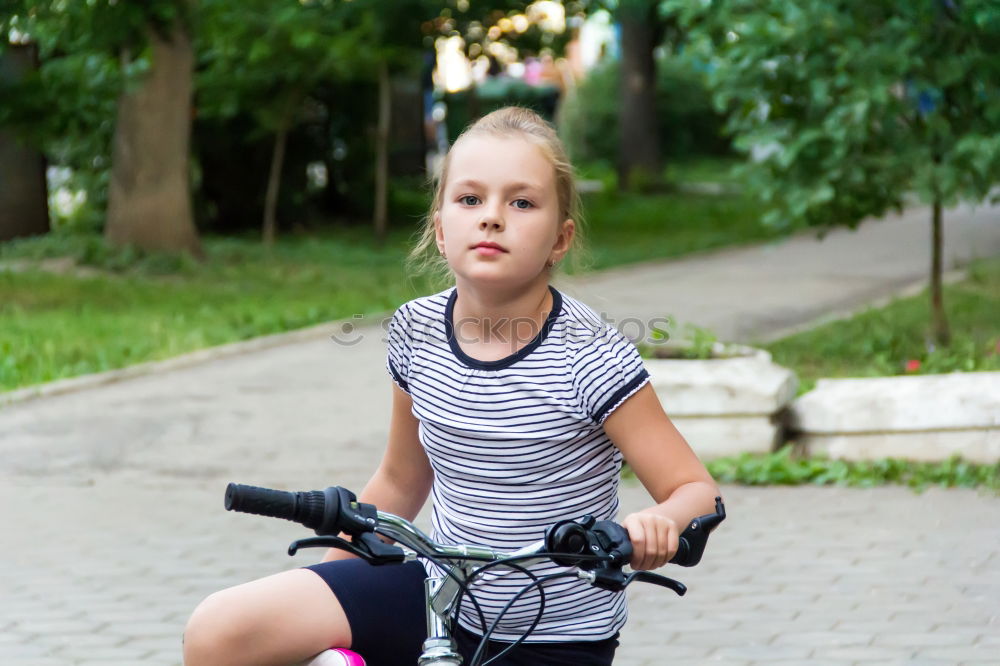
column 679, row 484
column 403, row 479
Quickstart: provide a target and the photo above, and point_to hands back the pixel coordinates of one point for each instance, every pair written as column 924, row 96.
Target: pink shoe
column 336, row 657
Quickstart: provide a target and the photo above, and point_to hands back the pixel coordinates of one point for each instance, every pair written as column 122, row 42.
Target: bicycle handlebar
column 336, row 510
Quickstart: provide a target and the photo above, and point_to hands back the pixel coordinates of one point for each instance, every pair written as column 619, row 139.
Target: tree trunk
column 274, row 177
column 24, row 206
column 639, row 141
column 382, row 153
column 149, row 196
column 939, row 318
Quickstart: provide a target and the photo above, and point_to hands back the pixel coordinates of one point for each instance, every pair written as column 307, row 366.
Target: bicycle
column 594, row 551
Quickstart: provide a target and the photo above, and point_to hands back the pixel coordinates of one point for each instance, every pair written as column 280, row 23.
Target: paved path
column 745, row 295
column 113, row 526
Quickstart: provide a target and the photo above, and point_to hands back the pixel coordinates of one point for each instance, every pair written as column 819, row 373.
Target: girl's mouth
column 488, row 249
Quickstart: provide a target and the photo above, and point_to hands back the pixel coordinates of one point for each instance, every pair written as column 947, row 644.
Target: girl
column 513, row 407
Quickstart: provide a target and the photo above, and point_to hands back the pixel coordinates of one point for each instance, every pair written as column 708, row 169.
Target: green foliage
column 895, row 340
column 785, row 468
column 67, row 106
column 689, row 125
column 267, row 56
column 856, row 103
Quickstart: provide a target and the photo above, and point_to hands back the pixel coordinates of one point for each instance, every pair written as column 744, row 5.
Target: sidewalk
column 113, row 526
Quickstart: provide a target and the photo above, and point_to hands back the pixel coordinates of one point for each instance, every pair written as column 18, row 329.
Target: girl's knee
column 279, row 619
column 216, row 633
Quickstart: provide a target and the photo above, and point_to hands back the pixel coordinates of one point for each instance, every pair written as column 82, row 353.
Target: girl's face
column 499, row 219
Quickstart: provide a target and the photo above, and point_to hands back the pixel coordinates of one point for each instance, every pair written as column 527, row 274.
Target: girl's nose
column 491, row 221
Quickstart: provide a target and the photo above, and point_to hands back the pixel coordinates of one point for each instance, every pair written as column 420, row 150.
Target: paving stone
column 910, row 661
column 764, row 652
column 51, row 627
column 127, row 629
column 119, row 653
column 959, row 653
column 920, row 639
column 24, row 650
column 812, row 661
column 866, row 653
column 163, row 658
column 824, row 638
column 881, row 626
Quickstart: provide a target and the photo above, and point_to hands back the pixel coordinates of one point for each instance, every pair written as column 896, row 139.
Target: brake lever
column 324, row 541
column 656, row 579
column 367, row 546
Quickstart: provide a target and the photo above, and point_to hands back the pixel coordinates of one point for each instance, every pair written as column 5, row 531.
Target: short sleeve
column 399, row 348
column 607, row 371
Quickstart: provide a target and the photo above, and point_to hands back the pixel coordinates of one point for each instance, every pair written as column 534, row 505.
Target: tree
column 270, row 56
column 851, row 106
column 639, row 142
column 91, row 55
column 397, row 43
column 267, row 56
column 645, row 26
column 23, row 201
column 149, row 195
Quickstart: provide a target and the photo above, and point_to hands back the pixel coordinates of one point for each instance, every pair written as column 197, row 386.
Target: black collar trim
column 449, row 330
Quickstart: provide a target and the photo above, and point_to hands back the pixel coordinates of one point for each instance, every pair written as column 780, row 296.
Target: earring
column 550, row 263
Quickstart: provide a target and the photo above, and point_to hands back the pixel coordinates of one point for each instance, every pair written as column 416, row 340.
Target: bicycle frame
column 441, row 593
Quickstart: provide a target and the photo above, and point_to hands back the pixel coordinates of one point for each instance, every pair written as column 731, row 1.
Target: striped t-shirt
column 518, row 444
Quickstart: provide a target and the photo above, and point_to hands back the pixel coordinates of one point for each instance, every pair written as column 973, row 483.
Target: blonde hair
column 506, row 122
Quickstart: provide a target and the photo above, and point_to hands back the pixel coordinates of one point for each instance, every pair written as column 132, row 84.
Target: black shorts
column 385, row 608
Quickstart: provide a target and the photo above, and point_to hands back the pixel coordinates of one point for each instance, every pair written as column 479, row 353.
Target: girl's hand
column 654, row 539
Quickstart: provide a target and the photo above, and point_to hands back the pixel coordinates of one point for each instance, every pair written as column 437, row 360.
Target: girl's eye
column 468, row 200
column 523, row 204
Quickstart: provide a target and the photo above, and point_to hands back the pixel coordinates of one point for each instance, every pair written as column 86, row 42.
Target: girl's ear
column 438, row 232
column 564, row 240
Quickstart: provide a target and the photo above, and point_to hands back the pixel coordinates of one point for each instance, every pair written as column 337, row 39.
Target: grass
column 894, row 340
column 629, row 228
column 56, row 326
column 623, row 228
column 784, row 468
column 141, row 307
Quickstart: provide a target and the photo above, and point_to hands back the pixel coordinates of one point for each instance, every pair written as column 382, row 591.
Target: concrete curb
column 916, row 417
column 207, row 355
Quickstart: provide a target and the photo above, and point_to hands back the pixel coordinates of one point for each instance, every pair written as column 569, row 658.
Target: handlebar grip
column 683, row 554
column 306, row 508
column 692, row 541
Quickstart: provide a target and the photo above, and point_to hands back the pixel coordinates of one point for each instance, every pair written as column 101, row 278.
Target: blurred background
column 181, row 173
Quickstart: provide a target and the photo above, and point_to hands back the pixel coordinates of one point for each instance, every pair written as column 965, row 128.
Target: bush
column 689, row 125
